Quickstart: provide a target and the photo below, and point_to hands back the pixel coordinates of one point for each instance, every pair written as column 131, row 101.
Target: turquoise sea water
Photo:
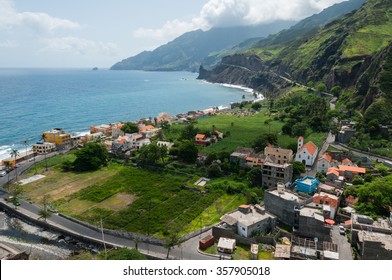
column 36, row 100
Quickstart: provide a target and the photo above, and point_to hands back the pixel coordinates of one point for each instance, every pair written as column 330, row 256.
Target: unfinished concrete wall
column 281, row 208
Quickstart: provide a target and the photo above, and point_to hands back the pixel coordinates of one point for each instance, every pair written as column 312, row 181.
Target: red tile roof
column 352, row 169
column 310, row 147
column 327, row 157
column 146, row 128
column 346, row 161
column 200, row 136
column 333, row 170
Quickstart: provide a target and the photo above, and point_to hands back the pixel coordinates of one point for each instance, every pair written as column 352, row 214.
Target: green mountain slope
column 188, row 51
column 353, row 52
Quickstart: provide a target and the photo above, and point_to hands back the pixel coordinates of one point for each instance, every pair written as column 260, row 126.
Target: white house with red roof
column 325, row 162
column 306, row 153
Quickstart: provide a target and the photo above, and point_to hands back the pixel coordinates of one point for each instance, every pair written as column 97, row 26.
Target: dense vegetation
column 91, row 157
column 375, row 198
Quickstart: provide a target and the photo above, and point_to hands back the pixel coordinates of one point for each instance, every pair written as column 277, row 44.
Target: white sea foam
column 80, row 133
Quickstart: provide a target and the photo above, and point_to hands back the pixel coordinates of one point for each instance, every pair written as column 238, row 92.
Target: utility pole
column 103, row 239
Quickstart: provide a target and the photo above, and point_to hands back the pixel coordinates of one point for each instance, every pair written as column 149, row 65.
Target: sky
column 98, row 33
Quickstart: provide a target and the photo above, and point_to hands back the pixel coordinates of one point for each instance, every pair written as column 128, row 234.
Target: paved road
column 344, row 246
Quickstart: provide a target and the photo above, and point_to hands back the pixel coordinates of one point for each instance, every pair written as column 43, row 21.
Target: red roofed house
column 347, row 162
column 333, row 174
column 202, row 140
column 329, row 203
column 325, row 162
column 307, row 153
column 349, row 172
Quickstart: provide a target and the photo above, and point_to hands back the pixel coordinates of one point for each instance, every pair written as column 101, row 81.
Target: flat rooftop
column 287, row 195
column 385, row 239
column 379, row 223
column 312, row 213
column 251, row 218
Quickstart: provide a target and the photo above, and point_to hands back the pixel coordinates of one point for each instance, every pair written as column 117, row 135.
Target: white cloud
column 220, row 13
column 79, row 46
column 42, row 22
column 8, row 44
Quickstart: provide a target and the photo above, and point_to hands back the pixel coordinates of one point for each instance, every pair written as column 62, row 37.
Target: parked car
column 342, row 230
column 3, row 173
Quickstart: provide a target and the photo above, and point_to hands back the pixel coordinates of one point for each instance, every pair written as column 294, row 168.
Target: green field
column 130, row 199
column 243, row 131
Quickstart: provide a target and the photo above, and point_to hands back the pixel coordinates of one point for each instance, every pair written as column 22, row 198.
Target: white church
column 307, row 154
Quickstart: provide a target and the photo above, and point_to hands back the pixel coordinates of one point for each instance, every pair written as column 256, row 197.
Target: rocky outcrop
column 245, row 70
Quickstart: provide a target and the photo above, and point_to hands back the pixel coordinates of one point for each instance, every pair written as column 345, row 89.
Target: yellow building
column 58, row 137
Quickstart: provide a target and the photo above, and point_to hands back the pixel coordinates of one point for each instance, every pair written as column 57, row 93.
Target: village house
column 249, row 220
column 372, row 237
column 349, row 172
column 116, row 130
column 128, row 142
column 283, row 203
column 43, row 148
column 226, row 245
column 344, row 173
column 240, row 154
column 310, row 223
column 306, row 153
column 103, row 128
column 168, row 145
column 328, row 160
column 307, row 184
column 273, row 173
column 281, row 155
column 347, row 131
column 204, row 140
column 149, row 131
column 164, row 118
column 328, row 202
column 58, row 137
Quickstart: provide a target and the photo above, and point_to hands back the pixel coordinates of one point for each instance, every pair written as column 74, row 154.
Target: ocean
column 36, row 100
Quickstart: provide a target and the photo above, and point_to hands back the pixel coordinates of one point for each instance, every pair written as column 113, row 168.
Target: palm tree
column 14, row 153
column 44, row 213
column 26, row 144
column 43, row 138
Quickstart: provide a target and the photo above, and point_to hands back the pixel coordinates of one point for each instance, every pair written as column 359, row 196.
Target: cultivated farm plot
column 125, row 198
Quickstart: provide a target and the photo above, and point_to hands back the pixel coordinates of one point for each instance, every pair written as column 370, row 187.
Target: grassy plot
column 212, row 214
column 53, row 161
column 242, row 130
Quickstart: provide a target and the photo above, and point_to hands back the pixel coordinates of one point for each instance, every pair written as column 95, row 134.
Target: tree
column 299, row 129
column 150, row 153
column 171, row 240
column 14, row 153
column 44, row 213
column 130, row 127
column 189, row 132
column 264, row 140
column 16, row 192
column 26, row 144
column 214, row 170
column 336, row 90
column 255, row 177
column 122, row 254
column 298, row 168
column 187, row 152
column 321, row 87
column 91, row 157
column 43, row 138
column 256, row 106
column 286, row 129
